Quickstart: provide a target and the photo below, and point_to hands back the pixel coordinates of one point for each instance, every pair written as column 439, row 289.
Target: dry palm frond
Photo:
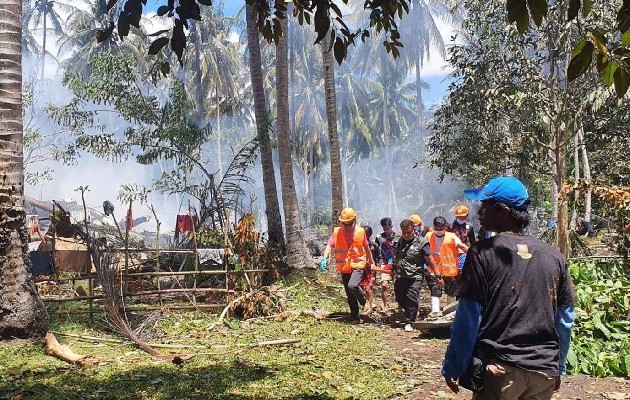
column 109, row 276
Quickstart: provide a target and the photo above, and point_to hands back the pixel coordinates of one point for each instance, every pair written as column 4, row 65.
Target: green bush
column 601, row 335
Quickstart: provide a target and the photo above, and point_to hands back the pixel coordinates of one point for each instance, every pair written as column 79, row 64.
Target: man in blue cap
column 512, row 328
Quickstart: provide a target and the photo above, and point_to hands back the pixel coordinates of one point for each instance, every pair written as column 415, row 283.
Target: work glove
column 323, row 264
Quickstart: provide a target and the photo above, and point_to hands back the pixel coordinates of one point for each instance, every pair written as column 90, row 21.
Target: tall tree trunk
column 509, row 170
column 336, row 176
column 217, row 132
column 555, row 194
column 44, row 44
column 22, row 313
column 200, row 92
column 272, row 206
column 420, row 133
column 563, row 205
column 576, row 178
column 419, row 105
column 307, row 179
column 587, row 177
column 297, row 254
column 344, row 172
column 389, row 176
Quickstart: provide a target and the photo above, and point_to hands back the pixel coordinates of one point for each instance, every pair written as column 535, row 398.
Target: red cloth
column 185, row 223
column 129, row 222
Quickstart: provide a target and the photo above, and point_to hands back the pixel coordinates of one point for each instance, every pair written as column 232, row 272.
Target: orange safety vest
column 349, row 256
column 448, row 254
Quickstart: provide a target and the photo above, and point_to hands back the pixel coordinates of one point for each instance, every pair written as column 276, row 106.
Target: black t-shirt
column 409, row 257
column 520, row 282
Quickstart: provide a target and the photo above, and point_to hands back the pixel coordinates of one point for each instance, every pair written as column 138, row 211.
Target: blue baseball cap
column 503, row 189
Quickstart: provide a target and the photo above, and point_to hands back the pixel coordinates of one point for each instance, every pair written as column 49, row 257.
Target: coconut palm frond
column 231, row 185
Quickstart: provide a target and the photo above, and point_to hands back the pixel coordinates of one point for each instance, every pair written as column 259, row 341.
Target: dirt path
column 420, row 354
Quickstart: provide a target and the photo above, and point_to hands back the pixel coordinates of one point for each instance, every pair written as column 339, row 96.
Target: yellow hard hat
column 347, row 215
column 461, row 211
column 416, row 219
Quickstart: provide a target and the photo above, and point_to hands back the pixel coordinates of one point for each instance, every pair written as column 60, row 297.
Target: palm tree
column 30, row 47
column 82, row 27
column 23, row 314
column 215, row 64
column 333, row 138
column 297, row 254
column 307, row 101
column 272, row 208
column 43, row 12
column 358, row 140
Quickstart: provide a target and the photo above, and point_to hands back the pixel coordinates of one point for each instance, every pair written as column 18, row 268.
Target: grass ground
column 335, row 360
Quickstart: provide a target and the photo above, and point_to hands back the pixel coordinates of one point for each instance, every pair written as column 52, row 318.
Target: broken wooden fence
column 144, row 299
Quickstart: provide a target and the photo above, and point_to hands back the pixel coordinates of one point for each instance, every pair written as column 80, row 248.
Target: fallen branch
column 120, row 341
column 64, row 353
column 273, row 342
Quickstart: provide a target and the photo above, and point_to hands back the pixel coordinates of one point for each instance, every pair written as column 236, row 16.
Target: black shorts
column 450, row 284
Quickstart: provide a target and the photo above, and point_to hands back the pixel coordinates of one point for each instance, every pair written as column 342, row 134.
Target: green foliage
column 601, row 335
column 325, row 16
column 613, row 56
column 496, row 115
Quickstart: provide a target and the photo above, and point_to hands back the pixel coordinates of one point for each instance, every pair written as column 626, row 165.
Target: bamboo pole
column 53, row 222
column 165, row 273
column 123, row 283
column 196, row 256
column 88, row 245
column 148, row 308
column 184, row 290
column 157, row 246
column 143, row 293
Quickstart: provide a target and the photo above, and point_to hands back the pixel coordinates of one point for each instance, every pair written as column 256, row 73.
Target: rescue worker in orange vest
column 352, row 256
column 445, row 248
